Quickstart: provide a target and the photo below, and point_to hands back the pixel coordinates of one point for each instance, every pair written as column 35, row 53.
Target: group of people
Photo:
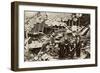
column 68, row 46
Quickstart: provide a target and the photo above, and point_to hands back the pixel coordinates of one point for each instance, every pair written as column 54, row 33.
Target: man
column 61, row 51
column 70, row 45
column 78, row 46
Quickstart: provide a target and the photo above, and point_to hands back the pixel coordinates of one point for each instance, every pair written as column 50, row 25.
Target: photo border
column 15, row 34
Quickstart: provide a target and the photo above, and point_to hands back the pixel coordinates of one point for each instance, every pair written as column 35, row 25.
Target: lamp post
column 73, row 16
column 78, row 15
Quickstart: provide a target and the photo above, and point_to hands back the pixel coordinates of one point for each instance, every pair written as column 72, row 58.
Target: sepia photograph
column 53, row 36
column 56, row 36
